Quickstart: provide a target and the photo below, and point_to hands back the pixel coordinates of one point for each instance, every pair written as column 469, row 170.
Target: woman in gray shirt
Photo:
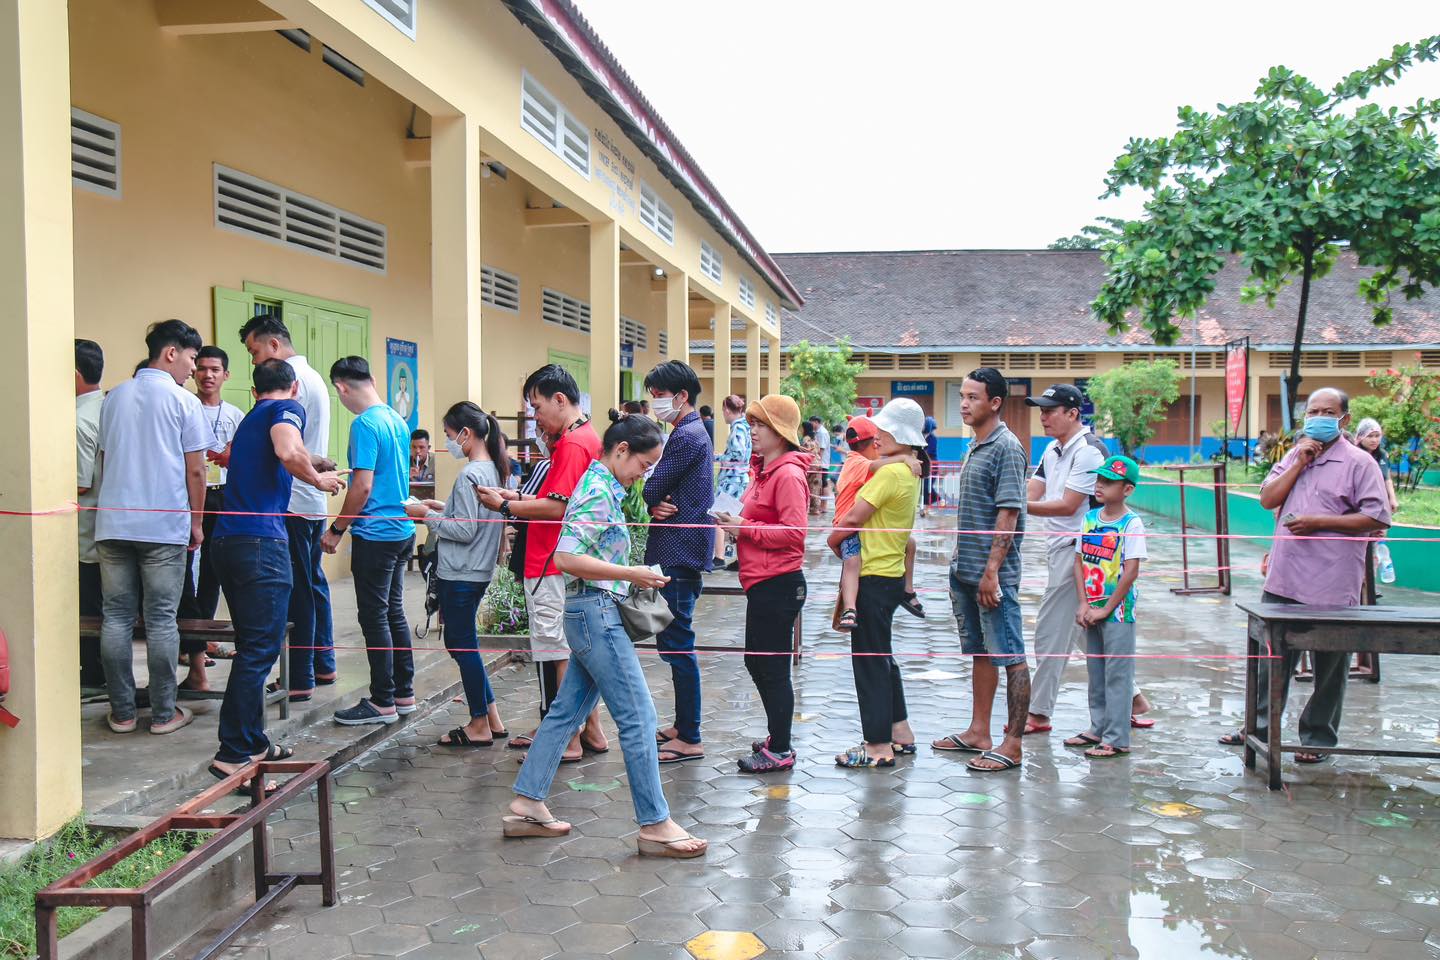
column 468, row 543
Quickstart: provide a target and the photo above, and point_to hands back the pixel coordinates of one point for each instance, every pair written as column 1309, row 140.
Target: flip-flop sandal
column 1005, row 763
column 958, row 745
column 1312, row 758
column 587, row 748
column 661, row 739
column 501, row 734
column 847, row 622
column 675, row 756
column 1106, row 752
column 667, row 848
column 325, row 681
column 908, row 749
column 1141, row 723
column 1236, row 739
column 459, row 738
column 243, row 790
column 222, row 652
column 1082, row 740
column 516, row 826
column 523, row 742
column 912, row 605
column 276, row 752
column 857, row 759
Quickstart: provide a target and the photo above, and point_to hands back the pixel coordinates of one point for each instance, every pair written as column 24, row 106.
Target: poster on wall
column 402, row 380
column 868, row 406
column 1237, row 374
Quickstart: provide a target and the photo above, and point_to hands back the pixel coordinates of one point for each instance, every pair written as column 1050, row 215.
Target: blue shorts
column 998, row 633
column 850, row 547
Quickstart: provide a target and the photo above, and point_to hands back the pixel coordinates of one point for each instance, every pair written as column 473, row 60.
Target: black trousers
column 200, row 601
column 378, row 570
column 877, row 676
column 92, row 671
column 771, row 607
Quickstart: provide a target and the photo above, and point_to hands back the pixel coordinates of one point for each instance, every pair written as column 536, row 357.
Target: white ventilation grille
column 747, row 293
column 399, row 12
column 656, row 214
column 94, row 153
column 550, row 123
column 500, row 289
column 564, row 310
column 711, row 263
column 634, row 332
column 772, row 315
column 662, row 340
column 249, row 205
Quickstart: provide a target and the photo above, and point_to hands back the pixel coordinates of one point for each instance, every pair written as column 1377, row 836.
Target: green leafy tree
column 1130, row 400
column 1092, row 237
column 1283, row 182
column 1407, row 406
column 822, row 380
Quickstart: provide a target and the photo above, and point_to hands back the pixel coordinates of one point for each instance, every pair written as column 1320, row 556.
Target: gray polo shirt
column 992, row 478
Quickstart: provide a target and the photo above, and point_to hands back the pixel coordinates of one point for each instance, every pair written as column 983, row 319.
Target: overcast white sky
column 842, row 125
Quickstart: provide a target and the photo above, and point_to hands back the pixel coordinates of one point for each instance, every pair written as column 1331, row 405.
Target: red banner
column 1237, row 362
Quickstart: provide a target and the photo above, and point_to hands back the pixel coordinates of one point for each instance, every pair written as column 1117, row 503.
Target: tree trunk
column 1293, row 380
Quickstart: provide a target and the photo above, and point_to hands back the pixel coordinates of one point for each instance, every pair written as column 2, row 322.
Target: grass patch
column 1420, row 507
column 71, row 848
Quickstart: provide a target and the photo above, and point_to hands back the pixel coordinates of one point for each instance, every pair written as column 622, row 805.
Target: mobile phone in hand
column 1288, row 519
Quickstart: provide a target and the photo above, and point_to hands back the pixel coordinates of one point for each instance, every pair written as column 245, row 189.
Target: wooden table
column 1275, row 626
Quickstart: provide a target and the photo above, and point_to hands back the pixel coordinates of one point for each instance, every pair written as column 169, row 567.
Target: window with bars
column 549, row 122
column 772, row 313
column 711, row 263
column 634, row 332
column 500, row 289
column 563, row 310
column 747, row 293
column 662, row 340
column 656, row 214
column 249, row 205
column 401, row 13
column 94, row 153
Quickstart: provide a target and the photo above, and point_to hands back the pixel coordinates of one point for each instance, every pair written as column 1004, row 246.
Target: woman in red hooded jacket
column 770, row 543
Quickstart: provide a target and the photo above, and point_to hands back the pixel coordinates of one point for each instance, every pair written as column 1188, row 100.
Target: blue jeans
column 254, row 572
column 996, row 634
column 312, row 640
column 128, row 570
column 603, row 663
column 677, row 648
column 459, row 604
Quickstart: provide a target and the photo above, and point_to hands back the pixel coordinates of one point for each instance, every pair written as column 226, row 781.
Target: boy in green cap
column 1107, row 563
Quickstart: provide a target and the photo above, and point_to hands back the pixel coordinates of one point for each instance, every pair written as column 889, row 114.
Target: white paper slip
column 726, row 503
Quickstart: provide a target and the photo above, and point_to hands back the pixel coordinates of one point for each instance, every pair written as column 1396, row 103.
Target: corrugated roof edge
column 550, row 17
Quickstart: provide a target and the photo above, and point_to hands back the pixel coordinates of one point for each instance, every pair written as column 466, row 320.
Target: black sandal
column 459, row 738
column 848, row 621
column 276, row 752
column 243, row 790
column 911, row 603
column 1236, row 739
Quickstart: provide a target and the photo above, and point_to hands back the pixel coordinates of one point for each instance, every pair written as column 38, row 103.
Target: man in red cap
column 860, row 465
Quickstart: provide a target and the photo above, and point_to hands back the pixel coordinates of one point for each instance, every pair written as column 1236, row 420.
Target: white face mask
column 663, row 408
column 453, row 445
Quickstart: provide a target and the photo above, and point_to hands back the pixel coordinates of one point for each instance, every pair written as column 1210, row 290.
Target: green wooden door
column 232, row 309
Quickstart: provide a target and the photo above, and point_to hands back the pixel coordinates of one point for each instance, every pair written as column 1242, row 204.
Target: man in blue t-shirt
column 374, row 511
column 251, row 554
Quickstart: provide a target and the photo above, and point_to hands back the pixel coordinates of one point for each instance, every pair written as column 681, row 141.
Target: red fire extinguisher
column 6, row 717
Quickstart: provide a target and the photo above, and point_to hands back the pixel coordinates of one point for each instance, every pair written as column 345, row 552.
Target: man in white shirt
column 212, row 369
column 89, row 367
column 822, row 440
column 153, row 438
column 312, row 651
column 1059, row 493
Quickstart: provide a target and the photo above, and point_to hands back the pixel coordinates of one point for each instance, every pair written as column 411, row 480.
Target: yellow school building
column 918, row 321
column 474, row 186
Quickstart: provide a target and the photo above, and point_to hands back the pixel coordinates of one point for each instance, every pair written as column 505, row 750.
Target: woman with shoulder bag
column 468, row 538
column 592, row 553
column 770, row 543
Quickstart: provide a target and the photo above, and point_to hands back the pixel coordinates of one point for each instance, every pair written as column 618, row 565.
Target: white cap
column 903, row 419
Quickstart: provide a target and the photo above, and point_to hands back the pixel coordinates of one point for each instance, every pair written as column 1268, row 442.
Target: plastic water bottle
column 1387, row 565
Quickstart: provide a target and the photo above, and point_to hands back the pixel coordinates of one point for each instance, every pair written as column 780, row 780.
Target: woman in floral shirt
column 592, row 553
column 734, row 476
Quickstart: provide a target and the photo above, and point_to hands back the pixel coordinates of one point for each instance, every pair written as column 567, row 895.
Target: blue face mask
column 1323, row 429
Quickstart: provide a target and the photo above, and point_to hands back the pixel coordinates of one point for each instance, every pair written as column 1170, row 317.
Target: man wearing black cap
column 1059, row 494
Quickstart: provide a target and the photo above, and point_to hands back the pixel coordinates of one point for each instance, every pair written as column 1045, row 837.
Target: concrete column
column 677, row 315
column 604, row 317
column 752, row 361
column 775, row 375
column 454, row 275
column 722, row 369
column 1256, row 417
column 39, row 758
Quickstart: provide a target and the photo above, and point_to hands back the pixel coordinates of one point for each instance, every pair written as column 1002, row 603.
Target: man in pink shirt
column 1330, row 493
